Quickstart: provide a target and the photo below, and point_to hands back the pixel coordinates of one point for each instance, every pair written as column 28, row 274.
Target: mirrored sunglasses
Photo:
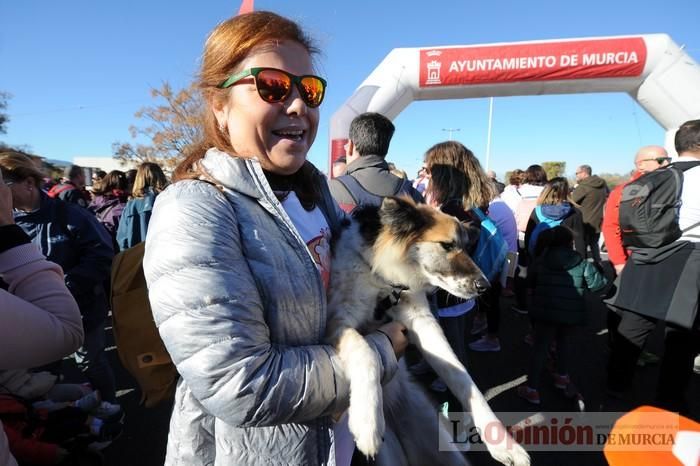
column 275, row 85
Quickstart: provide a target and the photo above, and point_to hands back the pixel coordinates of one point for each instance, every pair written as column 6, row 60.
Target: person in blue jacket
column 70, row 236
column 150, row 181
column 554, row 207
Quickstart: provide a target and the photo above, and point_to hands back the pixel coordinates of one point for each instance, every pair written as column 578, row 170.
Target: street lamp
column 450, row 131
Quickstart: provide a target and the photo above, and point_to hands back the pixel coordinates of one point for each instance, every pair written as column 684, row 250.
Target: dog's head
column 421, row 246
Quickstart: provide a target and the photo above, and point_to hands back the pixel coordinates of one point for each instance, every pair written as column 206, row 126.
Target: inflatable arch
column 655, row 71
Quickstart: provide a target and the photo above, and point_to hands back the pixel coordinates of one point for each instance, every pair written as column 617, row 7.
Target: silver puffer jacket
column 241, row 308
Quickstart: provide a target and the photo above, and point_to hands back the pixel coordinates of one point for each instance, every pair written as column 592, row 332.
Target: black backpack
column 361, row 196
column 649, row 207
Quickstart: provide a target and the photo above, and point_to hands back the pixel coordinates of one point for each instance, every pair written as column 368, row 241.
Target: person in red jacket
column 648, row 159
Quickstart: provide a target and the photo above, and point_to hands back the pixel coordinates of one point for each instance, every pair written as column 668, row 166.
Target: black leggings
column 544, row 334
column 490, row 304
column 680, row 347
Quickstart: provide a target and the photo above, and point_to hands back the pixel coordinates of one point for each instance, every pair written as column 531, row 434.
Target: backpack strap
column 355, row 189
column 479, row 213
column 684, row 165
column 58, row 189
column 405, row 187
column 696, row 224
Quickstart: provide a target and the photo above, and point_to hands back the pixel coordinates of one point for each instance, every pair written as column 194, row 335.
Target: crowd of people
column 238, row 259
column 46, row 420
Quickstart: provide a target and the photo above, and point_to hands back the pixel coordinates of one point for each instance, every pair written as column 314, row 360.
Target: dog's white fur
column 400, row 414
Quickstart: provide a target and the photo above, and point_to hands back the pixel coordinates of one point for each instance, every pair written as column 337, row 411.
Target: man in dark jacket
column 367, row 178
column 72, row 189
column 71, row 237
column 661, row 284
column 590, row 193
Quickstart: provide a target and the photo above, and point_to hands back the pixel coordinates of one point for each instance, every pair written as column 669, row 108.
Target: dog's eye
column 448, row 246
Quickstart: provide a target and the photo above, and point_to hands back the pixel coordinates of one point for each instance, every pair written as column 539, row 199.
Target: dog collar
column 391, row 300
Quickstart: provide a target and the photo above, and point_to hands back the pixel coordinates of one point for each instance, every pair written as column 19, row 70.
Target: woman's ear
column 349, row 148
column 220, row 108
column 29, row 183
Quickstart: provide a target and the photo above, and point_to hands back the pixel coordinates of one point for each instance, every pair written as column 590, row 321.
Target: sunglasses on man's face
column 275, row 85
column 659, row 160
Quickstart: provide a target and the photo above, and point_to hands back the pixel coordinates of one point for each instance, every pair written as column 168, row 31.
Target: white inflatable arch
column 655, row 71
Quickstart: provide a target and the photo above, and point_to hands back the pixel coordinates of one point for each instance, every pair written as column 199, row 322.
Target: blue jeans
column 92, row 361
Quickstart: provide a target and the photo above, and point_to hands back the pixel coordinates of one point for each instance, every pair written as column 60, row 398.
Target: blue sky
column 79, row 69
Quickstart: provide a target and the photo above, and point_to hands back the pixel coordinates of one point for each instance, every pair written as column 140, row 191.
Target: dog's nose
column 481, row 284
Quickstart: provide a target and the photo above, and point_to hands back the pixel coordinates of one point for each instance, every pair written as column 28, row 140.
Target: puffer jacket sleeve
column 595, row 281
column 39, row 319
column 210, row 315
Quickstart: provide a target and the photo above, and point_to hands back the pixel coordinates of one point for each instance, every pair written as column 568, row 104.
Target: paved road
column 144, row 439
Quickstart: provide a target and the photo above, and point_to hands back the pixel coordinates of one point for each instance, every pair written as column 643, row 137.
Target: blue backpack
column 491, row 250
column 544, row 223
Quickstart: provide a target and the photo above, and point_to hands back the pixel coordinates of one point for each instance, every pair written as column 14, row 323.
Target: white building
column 104, row 163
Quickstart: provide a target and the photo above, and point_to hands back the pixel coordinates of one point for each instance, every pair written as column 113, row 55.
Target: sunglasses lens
column 312, row 90
column 273, row 86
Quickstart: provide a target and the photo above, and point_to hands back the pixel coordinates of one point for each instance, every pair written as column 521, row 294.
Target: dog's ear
column 403, row 217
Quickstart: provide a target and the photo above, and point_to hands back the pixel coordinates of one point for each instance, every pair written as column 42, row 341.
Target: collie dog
column 401, row 247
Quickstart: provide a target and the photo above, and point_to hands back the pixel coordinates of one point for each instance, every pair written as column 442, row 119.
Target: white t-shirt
column 314, row 230
column 511, row 197
column 689, row 213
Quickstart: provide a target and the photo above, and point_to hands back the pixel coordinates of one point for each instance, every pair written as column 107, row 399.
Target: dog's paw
column 509, row 453
column 367, row 427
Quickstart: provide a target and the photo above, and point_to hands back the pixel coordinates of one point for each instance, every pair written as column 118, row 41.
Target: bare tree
column 173, row 127
column 4, row 117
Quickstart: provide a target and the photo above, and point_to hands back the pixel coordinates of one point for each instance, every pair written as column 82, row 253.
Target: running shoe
column 89, row 402
column 529, row 394
column 107, row 411
column 485, row 344
column 561, row 381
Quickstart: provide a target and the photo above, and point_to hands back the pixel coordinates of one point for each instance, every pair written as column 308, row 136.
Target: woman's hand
column 6, row 217
column 397, row 335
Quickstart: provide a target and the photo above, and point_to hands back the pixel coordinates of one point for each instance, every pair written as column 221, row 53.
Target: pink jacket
column 39, row 319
